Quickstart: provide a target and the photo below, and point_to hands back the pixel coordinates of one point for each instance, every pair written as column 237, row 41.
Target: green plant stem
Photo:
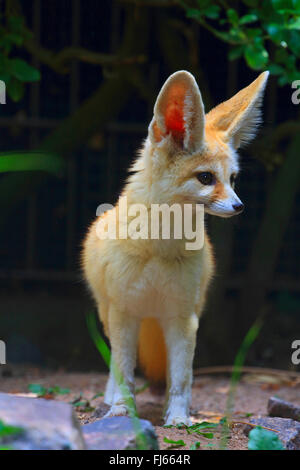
column 235, row 378
column 127, row 396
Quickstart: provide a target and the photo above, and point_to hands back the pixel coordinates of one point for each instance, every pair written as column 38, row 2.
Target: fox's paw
column 117, row 410
column 172, row 420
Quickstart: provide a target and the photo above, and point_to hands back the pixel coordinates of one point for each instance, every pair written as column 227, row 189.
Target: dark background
column 43, row 298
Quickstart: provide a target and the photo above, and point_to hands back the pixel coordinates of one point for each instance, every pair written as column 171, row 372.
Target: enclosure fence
column 94, row 173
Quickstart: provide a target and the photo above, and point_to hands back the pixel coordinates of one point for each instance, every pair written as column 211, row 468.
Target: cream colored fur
column 135, row 279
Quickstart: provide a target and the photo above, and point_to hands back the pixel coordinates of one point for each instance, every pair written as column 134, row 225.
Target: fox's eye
column 232, row 179
column 206, row 178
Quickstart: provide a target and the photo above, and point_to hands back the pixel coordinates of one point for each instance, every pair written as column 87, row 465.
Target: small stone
column 100, row 411
column 287, row 430
column 45, row 424
column 118, row 433
column 283, row 409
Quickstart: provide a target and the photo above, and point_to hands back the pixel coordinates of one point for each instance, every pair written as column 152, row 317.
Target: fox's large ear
column 237, row 119
column 179, row 113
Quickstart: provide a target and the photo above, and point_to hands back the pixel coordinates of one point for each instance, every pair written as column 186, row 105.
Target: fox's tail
column 152, row 351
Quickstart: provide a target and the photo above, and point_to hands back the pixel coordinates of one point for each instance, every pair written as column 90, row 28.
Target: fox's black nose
column 238, row 207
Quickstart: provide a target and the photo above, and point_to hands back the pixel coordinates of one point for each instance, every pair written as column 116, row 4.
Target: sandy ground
column 209, row 398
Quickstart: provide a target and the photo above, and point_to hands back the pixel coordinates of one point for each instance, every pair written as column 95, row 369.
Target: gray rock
column 283, row 409
column 45, row 424
column 288, row 430
column 118, row 433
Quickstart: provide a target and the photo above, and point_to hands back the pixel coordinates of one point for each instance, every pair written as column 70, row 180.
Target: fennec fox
column 150, row 292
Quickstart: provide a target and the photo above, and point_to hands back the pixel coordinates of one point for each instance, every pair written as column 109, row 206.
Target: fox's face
column 195, row 155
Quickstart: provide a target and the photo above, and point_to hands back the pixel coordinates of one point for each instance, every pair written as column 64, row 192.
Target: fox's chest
column 161, row 288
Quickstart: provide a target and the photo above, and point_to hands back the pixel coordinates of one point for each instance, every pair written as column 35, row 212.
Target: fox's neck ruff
column 149, row 186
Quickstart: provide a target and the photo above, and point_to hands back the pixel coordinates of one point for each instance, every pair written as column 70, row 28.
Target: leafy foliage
column 42, row 391
column 263, row 439
column 175, row 444
column 200, row 429
column 83, row 404
column 195, row 445
column 253, row 31
column 8, row 431
column 240, row 358
column 30, row 161
column 14, row 71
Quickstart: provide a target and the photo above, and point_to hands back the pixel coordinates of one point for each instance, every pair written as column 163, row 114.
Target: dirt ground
column 209, row 398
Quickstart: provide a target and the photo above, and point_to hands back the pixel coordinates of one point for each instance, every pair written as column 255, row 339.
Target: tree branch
column 104, row 105
column 180, row 3
column 60, row 61
column 267, row 148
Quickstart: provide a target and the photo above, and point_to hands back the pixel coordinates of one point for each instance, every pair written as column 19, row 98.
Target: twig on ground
column 234, row 421
column 245, row 369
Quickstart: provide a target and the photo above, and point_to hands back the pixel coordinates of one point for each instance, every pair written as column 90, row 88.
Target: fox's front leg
column 123, row 335
column 110, row 388
column 180, row 336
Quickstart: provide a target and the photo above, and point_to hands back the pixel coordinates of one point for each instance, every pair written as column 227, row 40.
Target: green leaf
column 262, row 439
column 256, row 56
column 100, row 394
column 7, row 430
column 296, row 4
column 275, row 31
column 179, row 443
column 23, row 71
column 287, row 6
column 282, row 5
column 250, row 18
column 212, row 12
column 193, row 13
column 58, row 390
column 295, row 24
column 232, row 16
column 236, row 34
column 177, row 426
column 275, row 69
column 5, row 77
column 254, row 33
column 15, row 89
column 293, row 39
column 34, row 388
column 31, row 161
column 199, row 429
column 14, row 38
column 203, row 425
column 235, row 52
column 195, row 445
column 208, row 435
column 283, row 80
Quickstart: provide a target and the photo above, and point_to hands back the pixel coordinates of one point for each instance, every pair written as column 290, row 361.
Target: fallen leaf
column 222, row 389
column 212, row 419
column 270, row 387
column 265, row 379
